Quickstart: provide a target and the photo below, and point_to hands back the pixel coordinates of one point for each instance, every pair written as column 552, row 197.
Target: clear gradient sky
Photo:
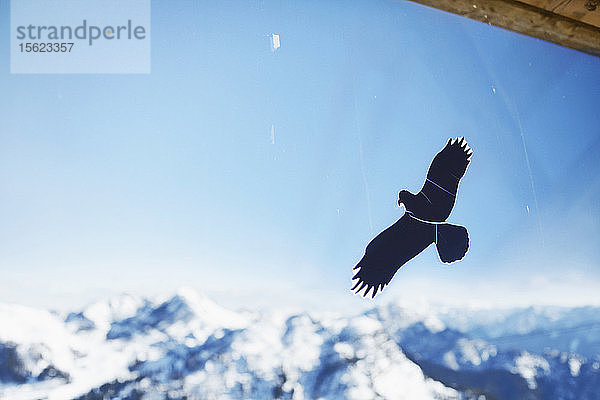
column 145, row 183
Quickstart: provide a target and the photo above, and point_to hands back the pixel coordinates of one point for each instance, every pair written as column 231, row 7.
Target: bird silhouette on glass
column 422, row 224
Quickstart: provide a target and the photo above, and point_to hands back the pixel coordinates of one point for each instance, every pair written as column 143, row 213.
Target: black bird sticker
column 422, row 224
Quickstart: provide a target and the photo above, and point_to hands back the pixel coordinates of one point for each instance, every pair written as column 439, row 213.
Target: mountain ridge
column 187, row 346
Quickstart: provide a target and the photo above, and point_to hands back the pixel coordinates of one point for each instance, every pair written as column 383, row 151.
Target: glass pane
column 191, row 232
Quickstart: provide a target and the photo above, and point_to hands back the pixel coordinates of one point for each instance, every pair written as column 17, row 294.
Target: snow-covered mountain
column 188, row 347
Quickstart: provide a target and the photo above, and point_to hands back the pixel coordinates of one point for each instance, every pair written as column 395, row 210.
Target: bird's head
column 403, row 197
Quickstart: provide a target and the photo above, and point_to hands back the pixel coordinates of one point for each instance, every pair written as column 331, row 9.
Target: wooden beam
column 526, row 19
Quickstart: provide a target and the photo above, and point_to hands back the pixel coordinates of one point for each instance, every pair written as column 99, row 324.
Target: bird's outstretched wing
column 391, row 249
column 437, row 197
column 450, row 164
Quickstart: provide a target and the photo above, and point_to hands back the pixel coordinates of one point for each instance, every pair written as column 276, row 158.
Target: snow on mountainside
column 186, row 346
column 574, row 330
column 505, row 366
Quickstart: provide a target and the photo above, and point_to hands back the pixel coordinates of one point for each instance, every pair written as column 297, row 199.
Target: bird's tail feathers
column 452, row 242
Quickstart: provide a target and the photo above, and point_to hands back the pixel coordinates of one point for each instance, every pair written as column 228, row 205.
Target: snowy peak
column 207, row 310
column 101, row 314
column 187, row 312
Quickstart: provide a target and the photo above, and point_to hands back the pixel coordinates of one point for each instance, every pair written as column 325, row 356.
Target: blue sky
column 145, row 183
